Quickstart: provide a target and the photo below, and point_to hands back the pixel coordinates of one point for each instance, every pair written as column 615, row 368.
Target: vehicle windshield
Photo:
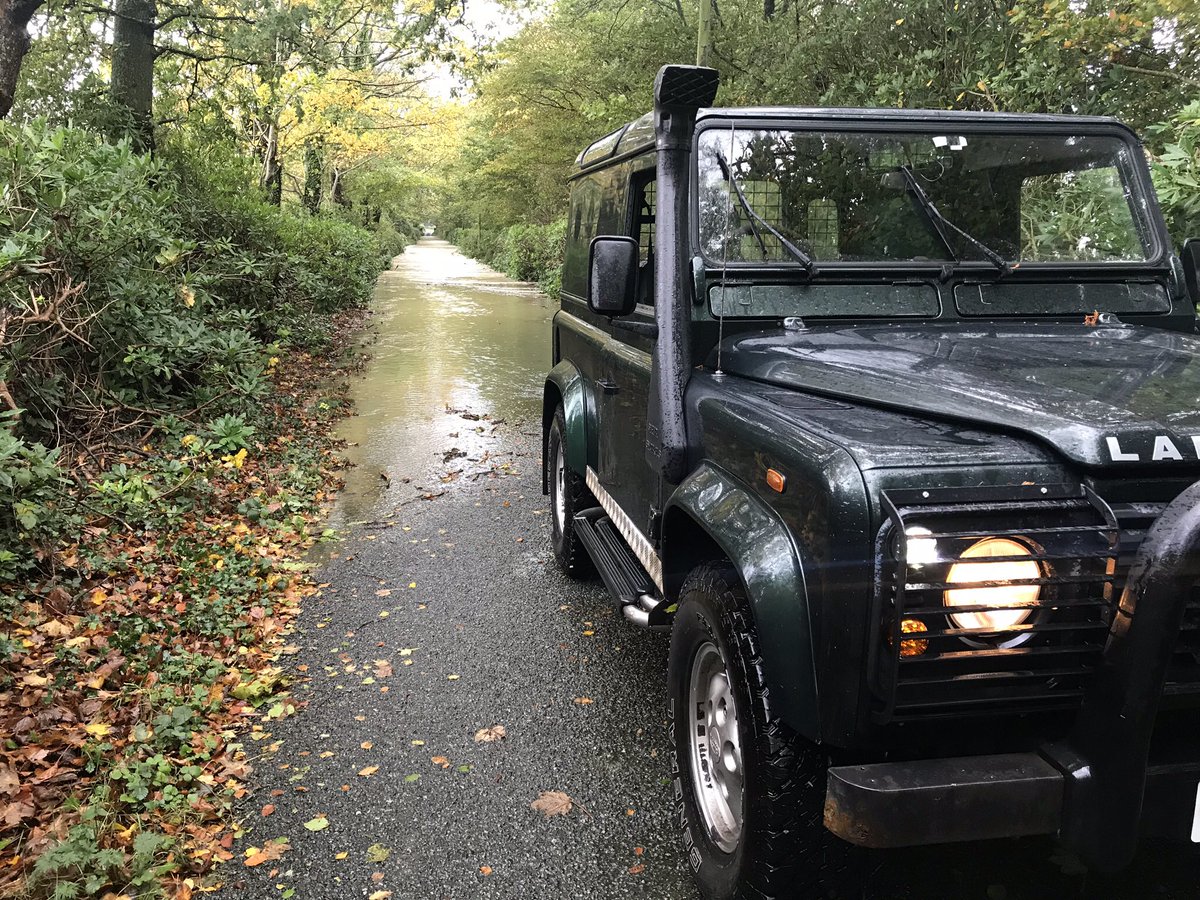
column 941, row 197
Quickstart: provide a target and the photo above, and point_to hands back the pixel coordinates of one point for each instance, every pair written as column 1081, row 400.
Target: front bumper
column 1097, row 788
column 934, row 801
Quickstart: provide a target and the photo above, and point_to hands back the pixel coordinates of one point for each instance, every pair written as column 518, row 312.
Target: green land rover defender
column 892, row 419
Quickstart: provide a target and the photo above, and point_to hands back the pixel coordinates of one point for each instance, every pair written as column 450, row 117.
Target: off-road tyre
column 572, row 556
column 784, row 850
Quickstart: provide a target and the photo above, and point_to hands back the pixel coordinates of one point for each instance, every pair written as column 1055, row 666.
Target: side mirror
column 612, row 275
column 1190, row 256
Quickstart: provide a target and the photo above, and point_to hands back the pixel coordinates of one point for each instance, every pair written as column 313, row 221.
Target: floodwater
column 452, row 340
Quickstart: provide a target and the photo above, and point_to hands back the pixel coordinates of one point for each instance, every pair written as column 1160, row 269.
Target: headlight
column 1001, row 595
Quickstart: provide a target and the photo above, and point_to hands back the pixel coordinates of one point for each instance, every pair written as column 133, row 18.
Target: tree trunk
column 314, row 177
column 271, row 178
column 768, row 9
column 133, row 67
column 704, row 33
column 14, row 44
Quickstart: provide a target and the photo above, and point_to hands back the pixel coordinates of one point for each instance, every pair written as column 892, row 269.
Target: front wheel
column 750, row 791
column 569, row 495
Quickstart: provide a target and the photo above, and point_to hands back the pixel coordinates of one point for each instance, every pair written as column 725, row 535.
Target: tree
column 14, row 44
column 133, row 57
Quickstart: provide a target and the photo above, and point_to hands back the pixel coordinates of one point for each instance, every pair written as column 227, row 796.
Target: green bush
column 1177, row 172
column 525, row 252
column 31, row 493
column 132, row 283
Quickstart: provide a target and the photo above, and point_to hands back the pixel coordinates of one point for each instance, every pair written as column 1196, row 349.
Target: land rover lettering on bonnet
column 892, row 420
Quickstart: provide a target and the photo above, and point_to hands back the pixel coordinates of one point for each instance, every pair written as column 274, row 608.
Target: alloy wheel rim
column 560, row 500
column 716, row 751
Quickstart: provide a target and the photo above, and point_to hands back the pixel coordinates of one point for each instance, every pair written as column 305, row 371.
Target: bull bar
column 1096, row 789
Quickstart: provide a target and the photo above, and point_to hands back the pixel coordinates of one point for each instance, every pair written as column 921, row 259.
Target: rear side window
column 582, row 225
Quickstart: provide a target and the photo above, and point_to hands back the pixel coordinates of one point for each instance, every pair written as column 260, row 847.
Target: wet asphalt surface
column 439, row 617
column 494, row 635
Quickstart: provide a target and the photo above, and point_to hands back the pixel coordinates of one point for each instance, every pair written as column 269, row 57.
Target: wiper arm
column 941, row 223
column 795, row 252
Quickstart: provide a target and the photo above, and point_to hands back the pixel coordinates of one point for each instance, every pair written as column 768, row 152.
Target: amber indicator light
column 776, row 481
column 913, row 646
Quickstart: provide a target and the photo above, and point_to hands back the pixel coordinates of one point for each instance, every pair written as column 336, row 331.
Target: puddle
column 451, row 339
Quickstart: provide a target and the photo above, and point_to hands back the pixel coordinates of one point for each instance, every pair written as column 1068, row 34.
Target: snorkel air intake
column 679, row 92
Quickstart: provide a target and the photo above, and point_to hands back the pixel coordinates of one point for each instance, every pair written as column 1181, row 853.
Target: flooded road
column 442, row 613
column 449, row 335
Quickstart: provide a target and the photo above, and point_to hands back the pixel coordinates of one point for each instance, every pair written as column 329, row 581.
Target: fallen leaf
column 268, row 809
column 380, row 895
column 376, row 877
column 638, row 851
column 552, row 803
column 10, row 782
column 377, row 853
column 270, row 851
column 440, row 761
column 452, row 677
column 418, row 743
column 320, row 823
column 342, row 855
column 637, row 868
column 368, row 771
column 490, row 735
column 485, row 870
column 366, row 745
column 584, row 701
column 412, row 779
column 383, row 593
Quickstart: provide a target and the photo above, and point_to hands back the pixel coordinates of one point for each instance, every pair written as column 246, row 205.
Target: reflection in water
column 452, row 333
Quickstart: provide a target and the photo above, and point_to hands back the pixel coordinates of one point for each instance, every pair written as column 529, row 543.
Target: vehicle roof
column 638, row 135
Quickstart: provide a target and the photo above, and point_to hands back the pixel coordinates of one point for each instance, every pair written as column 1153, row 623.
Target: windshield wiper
column 795, row 252
column 941, row 223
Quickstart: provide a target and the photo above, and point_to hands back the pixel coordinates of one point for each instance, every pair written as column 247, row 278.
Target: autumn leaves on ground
column 143, row 652
column 167, row 382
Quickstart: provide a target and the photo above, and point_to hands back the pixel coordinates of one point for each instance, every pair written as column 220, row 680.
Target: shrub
column 526, row 252
column 31, row 491
column 1177, row 172
column 127, row 282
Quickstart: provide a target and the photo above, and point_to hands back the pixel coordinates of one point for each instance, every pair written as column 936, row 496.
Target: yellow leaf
column 98, row 596
column 341, row 855
column 320, row 823
column 98, row 729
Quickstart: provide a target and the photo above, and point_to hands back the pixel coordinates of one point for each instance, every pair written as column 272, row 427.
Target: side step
column 628, row 582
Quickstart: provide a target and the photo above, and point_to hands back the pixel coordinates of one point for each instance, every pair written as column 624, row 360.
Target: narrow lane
column 443, row 613
column 460, row 598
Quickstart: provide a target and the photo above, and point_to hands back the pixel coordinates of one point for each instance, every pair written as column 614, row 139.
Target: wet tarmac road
column 446, row 615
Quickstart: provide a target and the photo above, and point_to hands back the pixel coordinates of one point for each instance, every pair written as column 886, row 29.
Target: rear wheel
column 569, row 495
column 750, row 791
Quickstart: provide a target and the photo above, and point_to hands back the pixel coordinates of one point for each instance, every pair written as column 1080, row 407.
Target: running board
column 628, row 582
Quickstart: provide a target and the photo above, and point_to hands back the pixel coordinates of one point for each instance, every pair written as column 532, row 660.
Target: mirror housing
column 1190, row 257
column 612, row 275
